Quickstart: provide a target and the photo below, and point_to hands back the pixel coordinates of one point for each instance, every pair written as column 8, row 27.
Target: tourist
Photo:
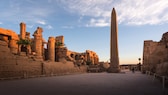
column 133, row 70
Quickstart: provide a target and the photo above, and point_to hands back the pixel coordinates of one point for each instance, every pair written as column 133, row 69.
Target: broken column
column 51, row 48
column 22, row 30
column 38, row 42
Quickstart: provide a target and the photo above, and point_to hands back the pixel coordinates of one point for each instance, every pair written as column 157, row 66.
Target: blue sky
column 85, row 24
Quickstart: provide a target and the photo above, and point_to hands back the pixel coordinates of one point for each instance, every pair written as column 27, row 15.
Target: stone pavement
column 85, row 84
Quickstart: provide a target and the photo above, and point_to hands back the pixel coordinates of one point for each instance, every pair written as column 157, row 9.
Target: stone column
column 38, row 42
column 13, row 46
column 51, row 48
column 22, row 30
column 114, row 59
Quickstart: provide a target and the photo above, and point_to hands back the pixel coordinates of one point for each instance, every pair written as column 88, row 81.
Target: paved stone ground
column 85, row 84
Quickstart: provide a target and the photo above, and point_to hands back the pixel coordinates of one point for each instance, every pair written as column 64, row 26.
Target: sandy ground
column 85, row 84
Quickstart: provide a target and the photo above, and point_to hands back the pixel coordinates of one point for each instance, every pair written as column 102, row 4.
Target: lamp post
column 139, row 60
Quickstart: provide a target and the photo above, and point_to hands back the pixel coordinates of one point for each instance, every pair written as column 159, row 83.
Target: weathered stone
column 155, row 54
column 38, row 41
column 13, row 46
column 15, row 62
column 114, row 59
column 11, row 38
column 22, row 30
column 59, row 39
column 51, row 48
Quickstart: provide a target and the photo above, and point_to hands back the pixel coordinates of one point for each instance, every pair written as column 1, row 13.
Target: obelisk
column 114, row 59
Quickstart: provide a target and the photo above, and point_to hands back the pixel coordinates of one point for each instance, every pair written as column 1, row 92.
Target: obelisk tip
column 113, row 10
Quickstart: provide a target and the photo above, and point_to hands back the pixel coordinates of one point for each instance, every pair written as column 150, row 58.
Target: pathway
column 85, row 84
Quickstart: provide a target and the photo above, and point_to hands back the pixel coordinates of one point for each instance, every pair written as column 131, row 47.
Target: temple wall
column 38, row 68
column 31, row 63
column 155, row 55
column 62, row 68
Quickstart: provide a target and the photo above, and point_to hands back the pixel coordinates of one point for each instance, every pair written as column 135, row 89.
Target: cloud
column 49, row 27
column 130, row 12
column 87, row 7
column 97, row 23
column 42, row 22
column 28, row 11
column 1, row 23
column 143, row 12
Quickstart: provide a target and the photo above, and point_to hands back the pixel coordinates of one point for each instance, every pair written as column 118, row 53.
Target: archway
column 23, row 48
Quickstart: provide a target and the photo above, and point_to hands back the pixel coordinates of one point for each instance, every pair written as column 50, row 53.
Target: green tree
column 23, row 42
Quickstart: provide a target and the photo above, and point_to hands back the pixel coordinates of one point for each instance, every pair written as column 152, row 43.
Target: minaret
column 114, row 59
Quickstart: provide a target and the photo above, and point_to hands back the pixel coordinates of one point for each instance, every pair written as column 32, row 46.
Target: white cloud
column 49, row 27
column 28, row 11
column 41, row 22
column 142, row 12
column 131, row 12
column 87, row 7
column 1, row 23
column 97, row 23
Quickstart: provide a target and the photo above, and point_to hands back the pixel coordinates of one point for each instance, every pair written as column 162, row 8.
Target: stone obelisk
column 114, row 59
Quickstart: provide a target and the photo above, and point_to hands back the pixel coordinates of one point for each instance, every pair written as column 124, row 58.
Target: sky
column 85, row 24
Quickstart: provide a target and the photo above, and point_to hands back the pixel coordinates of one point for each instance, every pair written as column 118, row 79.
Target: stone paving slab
column 85, row 84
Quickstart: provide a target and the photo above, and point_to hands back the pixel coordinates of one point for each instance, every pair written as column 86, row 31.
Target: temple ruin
column 155, row 56
column 26, row 54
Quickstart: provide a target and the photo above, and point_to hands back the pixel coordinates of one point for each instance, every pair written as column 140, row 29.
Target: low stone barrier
column 163, row 78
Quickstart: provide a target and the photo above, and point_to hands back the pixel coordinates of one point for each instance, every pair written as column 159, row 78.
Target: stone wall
column 20, row 69
column 88, row 56
column 15, row 65
column 24, row 66
column 162, row 69
column 155, row 55
column 20, row 61
column 62, row 68
column 92, row 56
